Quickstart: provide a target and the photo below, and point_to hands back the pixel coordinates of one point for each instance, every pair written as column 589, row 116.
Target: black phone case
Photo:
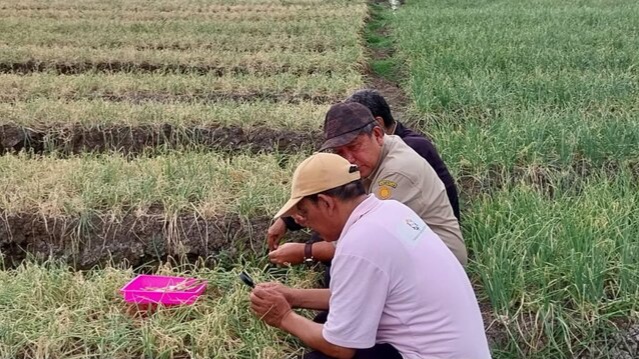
column 247, row 279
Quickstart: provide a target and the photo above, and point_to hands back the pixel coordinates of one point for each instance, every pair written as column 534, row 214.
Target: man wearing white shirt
column 397, row 291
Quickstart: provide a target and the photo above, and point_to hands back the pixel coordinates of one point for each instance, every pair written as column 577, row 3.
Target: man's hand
column 287, row 254
column 281, row 288
column 275, row 233
column 270, row 305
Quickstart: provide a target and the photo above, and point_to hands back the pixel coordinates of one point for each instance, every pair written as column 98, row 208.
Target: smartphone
column 247, row 279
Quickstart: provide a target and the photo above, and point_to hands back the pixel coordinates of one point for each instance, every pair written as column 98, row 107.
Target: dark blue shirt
column 427, row 150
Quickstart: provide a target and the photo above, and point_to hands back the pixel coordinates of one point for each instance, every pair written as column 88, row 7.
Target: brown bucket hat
column 344, row 122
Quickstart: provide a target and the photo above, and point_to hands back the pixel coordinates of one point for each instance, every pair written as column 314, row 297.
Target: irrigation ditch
column 71, row 68
column 208, row 97
column 135, row 140
column 137, row 241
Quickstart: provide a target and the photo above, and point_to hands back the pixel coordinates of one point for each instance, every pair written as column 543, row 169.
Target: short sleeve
column 358, row 296
column 398, row 187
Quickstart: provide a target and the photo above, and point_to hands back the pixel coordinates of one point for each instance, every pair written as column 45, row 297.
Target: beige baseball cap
column 316, row 174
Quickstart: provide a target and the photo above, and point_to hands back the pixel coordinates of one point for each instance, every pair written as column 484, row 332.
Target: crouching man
column 396, row 291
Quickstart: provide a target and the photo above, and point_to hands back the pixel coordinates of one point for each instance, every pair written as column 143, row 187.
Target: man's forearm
column 310, row 298
column 311, row 334
column 323, row 251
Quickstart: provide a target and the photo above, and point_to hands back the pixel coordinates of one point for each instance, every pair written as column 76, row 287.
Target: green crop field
column 160, row 136
column 534, row 105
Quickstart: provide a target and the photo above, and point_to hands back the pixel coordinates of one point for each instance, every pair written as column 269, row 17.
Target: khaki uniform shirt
column 404, row 176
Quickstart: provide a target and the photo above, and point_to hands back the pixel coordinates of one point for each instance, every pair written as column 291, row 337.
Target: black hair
column 375, row 102
column 344, row 192
column 368, row 129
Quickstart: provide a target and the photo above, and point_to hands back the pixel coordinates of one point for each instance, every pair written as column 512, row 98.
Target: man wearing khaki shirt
column 405, row 176
column 391, row 170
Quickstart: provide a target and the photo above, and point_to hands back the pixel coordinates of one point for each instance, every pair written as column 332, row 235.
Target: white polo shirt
column 394, row 281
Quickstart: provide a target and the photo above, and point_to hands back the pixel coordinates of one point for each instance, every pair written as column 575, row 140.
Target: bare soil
column 138, row 97
column 293, row 98
column 318, row 47
column 396, row 97
column 86, row 242
column 135, row 139
column 74, row 68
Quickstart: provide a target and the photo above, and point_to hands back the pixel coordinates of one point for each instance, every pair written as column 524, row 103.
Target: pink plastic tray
column 166, row 290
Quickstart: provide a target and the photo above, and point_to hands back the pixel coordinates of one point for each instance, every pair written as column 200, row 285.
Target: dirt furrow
column 136, row 139
column 138, row 97
column 87, row 242
column 75, row 68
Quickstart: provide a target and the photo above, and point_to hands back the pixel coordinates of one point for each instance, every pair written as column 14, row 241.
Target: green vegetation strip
column 275, row 12
column 533, row 105
column 18, row 32
column 560, row 272
column 540, row 135
column 174, row 87
column 81, row 314
column 520, row 54
column 208, row 184
column 220, row 42
column 172, row 5
column 24, row 59
column 180, row 25
column 42, row 113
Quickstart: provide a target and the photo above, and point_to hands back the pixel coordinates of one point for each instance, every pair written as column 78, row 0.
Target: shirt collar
column 399, row 129
column 393, row 130
column 388, row 139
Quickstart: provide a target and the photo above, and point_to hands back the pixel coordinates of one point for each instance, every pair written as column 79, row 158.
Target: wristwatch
column 308, row 253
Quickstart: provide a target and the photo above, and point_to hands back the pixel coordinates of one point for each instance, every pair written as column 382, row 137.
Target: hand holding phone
column 247, row 279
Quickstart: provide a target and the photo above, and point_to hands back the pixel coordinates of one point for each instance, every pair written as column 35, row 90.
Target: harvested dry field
column 136, row 130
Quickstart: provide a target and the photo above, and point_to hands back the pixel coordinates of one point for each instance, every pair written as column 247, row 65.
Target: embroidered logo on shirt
column 412, row 224
column 387, row 183
column 411, row 230
column 384, row 192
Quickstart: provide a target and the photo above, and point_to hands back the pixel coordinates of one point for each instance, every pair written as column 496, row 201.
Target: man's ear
column 326, row 203
column 378, row 135
column 380, row 122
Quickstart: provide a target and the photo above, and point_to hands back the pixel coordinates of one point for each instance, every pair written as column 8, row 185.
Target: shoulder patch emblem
column 384, row 192
column 387, row 183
